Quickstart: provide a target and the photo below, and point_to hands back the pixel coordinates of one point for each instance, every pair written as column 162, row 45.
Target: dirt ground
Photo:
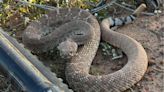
column 149, row 31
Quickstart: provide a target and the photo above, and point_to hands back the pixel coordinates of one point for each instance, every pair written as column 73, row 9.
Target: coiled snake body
column 77, row 69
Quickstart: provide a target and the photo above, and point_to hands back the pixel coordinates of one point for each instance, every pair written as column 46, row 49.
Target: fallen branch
column 102, row 7
column 132, row 10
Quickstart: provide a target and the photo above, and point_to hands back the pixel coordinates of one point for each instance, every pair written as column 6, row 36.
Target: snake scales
column 63, row 27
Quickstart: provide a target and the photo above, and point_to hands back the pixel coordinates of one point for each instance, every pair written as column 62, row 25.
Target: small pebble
column 13, row 35
column 157, row 11
column 96, row 14
column 105, row 53
column 87, row 9
column 103, row 49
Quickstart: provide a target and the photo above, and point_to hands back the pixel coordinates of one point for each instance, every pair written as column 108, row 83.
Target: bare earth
column 149, row 31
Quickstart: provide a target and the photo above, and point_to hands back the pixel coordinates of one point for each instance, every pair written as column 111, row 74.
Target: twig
column 1, row 76
column 46, row 7
column 131, row 10
column 159, row 70
column 8, row 88
column 102, row 7
column 128, row 5
column 90, row 3
column 18, row 25
column 101, row 2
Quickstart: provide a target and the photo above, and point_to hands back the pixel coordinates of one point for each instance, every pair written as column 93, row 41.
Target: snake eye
column 79, row 34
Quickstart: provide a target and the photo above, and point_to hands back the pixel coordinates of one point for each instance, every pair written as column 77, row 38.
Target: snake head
column 67, row 49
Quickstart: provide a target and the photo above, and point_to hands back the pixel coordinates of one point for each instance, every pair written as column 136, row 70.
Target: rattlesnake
column 78, row 66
